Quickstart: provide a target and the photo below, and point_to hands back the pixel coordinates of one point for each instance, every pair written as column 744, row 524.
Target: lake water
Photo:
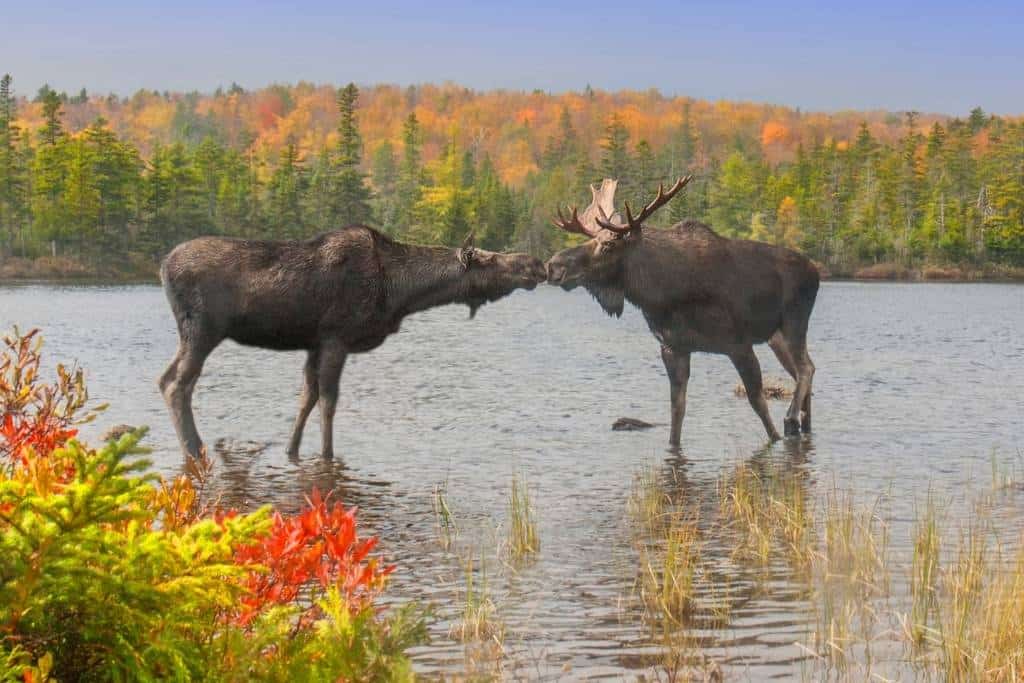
column 918, row 387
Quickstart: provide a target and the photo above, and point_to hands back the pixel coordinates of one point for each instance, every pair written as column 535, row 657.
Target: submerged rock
column 630, row 424
column 116, row 432
column 224, row 446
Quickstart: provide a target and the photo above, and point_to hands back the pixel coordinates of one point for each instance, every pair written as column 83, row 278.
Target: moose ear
column 470, row 238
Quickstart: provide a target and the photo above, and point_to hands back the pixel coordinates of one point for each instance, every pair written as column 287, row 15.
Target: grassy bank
column 926, row 273
column 136, row 268
column 129, row 268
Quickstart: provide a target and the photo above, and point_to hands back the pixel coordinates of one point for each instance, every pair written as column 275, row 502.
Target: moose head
column 489, row 276
column 598, row 263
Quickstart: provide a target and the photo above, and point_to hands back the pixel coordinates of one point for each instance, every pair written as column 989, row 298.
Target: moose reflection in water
column 698, row 291
column 340, row 293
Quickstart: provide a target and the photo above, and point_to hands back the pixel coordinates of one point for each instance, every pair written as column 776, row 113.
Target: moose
column 340, row 293
column 698, row 291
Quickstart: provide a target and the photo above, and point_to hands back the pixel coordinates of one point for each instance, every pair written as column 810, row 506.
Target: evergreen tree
column 385, row 183
column 646, row 175
column 910, row 185
column 563, row 147
column 734, row 196
column 53, row 127
column 49, row 173
column 287, row 186
column 615, row 162
column 410, row 175
column 351, row 200
column 12, row 172
column 683, row 154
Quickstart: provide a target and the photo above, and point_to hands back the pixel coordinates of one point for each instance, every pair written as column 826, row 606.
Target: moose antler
column 585, row 223
column 637, row 223
column 573, row 224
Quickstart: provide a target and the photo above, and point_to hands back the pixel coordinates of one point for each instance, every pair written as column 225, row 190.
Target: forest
column 113, row 182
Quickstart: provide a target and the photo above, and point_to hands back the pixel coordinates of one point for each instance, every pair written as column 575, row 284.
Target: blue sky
column 937, row 56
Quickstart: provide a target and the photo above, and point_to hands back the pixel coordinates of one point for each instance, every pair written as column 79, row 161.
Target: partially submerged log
column 630, row 424
column 772, row 388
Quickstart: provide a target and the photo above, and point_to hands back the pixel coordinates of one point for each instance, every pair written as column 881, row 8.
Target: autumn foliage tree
column 289, row 161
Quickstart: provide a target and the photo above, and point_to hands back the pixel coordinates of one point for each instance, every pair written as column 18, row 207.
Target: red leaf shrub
column 321, row 545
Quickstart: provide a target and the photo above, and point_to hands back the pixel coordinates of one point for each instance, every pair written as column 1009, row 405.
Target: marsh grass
column 479, row 620
column 771, row 514
column 523, row 541
column 649, row 501
column 976, row 626
column 444, row 520
column 924, row 573
column 958, row 613
column 1007, row 476
column 850, row 576
column 669, row 573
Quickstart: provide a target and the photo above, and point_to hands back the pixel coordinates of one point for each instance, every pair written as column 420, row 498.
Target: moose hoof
column 791, row 427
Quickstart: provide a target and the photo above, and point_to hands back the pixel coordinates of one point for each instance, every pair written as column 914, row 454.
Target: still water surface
column 918, row 386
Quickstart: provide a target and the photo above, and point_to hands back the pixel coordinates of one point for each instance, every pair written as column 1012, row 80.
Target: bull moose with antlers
column 698, row 291
column 341, row 293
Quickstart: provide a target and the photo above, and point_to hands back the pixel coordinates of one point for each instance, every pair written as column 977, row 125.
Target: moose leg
column 310, row 393
column 677, row 364
column 802, row 395
column 331, row 363
column 779, row 345
column 750, row 372
column 177, row 385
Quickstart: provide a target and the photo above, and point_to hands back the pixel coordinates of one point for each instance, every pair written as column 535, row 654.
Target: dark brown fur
column 340, row 293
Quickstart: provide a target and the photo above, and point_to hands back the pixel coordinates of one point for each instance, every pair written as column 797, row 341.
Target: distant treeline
column 96, row 178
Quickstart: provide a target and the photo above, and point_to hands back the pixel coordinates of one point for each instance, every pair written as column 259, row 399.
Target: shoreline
column 50, row 271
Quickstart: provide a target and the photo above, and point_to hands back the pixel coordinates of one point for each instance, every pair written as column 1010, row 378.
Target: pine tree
column 410, row 175
column 910, row 184
column 734, row 196
column 683, row 154
column 646, row 175
column 385, row 183
column 287, row 185
column 351, row 200
column 49, row 173
column 115, row 167
column 615, row 162
column 53, row 127
column 563, row 147
column 12, row 172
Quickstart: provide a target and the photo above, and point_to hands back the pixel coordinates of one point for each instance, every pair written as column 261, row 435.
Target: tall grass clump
column 771, row 514
column 649, row 502
column 669, row 572
column 850, row 575
column 924, row 573
column 479, row 619
column 975, row 628
column 444, row 519
column 524, row 541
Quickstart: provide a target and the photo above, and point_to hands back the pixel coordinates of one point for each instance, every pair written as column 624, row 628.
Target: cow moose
column 341, row 293
column 698, row 291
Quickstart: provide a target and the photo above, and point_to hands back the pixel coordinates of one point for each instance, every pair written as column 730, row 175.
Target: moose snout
column 555, row 271
column 528, row 269
column 536, row 270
